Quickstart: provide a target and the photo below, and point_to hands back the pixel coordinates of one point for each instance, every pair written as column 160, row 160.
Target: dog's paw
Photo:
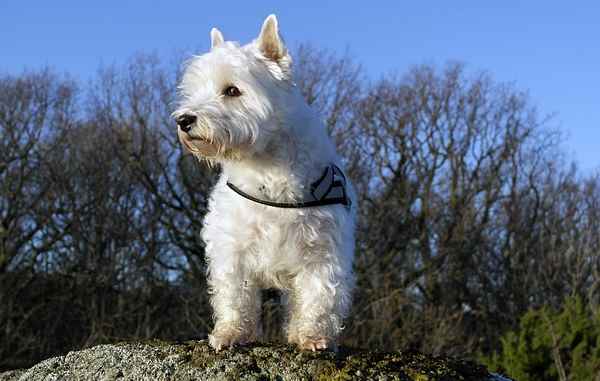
column 223, row 339
column 316, row 344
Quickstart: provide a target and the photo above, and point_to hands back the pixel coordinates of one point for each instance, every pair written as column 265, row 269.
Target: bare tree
column 447, row 153
column 34, row 107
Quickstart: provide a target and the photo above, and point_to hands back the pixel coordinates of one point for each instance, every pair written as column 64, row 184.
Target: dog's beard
column 209, row 149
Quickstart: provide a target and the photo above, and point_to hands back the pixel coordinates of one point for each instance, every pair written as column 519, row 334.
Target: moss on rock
column 195, row 360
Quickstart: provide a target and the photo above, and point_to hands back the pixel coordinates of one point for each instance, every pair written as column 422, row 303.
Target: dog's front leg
column 236, row 305
column 319, row 302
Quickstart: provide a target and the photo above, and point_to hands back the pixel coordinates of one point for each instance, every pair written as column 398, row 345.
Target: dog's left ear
column 269, row 42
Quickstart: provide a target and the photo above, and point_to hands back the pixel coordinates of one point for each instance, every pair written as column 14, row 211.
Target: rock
column 195, row 360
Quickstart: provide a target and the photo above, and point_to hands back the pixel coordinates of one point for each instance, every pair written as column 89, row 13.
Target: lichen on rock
column 196, row 360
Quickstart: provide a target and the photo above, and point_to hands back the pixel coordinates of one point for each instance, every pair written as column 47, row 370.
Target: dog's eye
column 232, row 91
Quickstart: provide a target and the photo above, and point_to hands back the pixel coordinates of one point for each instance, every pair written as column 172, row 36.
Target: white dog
column 282, row 214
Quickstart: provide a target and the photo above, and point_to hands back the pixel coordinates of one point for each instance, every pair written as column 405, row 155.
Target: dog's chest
column 273, row 253
column 264, row 235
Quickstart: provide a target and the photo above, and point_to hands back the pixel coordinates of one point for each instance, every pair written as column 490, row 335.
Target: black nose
column 185, row 122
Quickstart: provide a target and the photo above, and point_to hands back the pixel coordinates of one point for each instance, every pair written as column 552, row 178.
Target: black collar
column 329, row 189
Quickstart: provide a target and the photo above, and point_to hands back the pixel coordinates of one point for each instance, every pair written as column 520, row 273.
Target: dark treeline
column 469, row 214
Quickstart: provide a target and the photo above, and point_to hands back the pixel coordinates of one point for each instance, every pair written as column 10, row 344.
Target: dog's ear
column 269, row 41
column 216, row 38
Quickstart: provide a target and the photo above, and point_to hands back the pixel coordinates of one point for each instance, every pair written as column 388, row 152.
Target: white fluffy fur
column 271, row 144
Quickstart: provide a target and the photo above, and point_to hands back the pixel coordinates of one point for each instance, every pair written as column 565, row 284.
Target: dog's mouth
column 198, row 139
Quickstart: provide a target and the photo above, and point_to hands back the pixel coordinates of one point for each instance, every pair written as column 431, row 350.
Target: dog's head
column 233, row 98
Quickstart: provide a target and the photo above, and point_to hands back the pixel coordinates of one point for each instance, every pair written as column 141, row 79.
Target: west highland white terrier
column 282, row 214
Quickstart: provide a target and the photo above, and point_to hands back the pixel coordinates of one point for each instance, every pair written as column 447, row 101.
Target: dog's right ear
column 216, row 38
column 271, row 46
column 269, row 41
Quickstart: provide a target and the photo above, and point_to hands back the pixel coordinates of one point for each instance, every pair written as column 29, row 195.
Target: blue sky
column 551, row 48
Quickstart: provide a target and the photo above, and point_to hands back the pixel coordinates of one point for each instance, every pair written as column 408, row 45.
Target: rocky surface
column 195, row 360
